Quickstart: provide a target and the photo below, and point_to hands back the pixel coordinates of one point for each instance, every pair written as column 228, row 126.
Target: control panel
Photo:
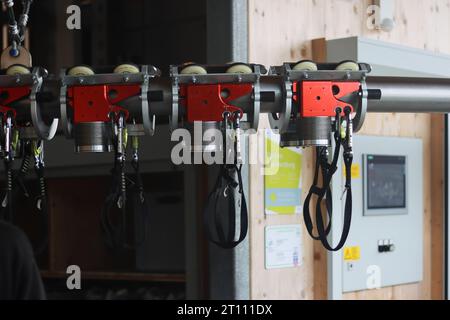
column 385, row 244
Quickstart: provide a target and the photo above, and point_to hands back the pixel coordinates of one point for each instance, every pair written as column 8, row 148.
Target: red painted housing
column 9, row 95
column 321, row 98
column 96, row 102
column 208, row 102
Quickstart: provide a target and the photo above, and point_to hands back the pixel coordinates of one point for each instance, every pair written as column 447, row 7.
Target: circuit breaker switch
column 385, row 246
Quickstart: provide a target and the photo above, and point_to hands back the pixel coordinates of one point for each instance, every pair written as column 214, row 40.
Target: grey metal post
column 227, row 39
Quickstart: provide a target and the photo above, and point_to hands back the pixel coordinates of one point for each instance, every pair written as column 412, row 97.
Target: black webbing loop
column 226, row 188
column 126, row 199
column 327, row 171
column 324, row 192
column 321, row 165
column 224, row 195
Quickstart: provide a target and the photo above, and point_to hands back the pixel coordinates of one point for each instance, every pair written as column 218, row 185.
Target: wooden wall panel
column 281, row 31
column 293, row 283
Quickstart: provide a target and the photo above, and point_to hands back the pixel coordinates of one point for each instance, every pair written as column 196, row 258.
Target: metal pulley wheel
column 239, row 68
column 193, row 69
column 79, row 71
column 305, row 65
column 244, row 68
column 348, row 65
column 126, row 68
column 17, row 69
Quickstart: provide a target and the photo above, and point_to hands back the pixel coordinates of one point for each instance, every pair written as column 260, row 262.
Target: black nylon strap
column 321, row 192
column 324, row 192
column 133, row 199
column 347, row 212
column 226, row 188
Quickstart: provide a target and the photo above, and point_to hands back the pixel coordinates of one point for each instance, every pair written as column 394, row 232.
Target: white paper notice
column 283, row 246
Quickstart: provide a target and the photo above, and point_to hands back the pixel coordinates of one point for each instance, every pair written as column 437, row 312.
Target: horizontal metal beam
column 398, row 94
column 410, row 95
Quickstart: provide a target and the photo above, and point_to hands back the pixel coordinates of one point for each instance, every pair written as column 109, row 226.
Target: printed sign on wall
column 282, row 180
column 283, row 246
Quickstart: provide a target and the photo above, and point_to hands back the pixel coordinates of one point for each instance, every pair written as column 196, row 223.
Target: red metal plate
column 208, row 102
column 322, row 98
column 10, row 95
column 95, row 103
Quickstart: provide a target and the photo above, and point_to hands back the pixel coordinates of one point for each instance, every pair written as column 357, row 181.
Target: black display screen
column 386, row 182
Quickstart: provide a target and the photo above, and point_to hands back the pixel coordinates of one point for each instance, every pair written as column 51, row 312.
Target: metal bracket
column 281, row 121
column 361, row 110
column 65, row 119
column 173, row 119
column 147, row 118
column 253, row 118
column 43, row 131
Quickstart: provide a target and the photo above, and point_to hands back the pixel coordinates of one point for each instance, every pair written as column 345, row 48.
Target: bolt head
column 14, row 52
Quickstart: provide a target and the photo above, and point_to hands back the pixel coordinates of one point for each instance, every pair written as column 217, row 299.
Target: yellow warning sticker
column 356, row 171
column 352, row 253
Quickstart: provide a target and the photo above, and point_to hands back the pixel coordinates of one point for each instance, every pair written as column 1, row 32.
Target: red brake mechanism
column 10, row 95
column 208, row 102
column 321, row 98
column 95, row 103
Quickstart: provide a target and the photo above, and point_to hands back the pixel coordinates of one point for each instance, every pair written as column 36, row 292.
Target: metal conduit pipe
column 410, row 95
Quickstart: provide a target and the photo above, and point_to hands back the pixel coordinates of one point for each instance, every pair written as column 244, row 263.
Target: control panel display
column 385, row 184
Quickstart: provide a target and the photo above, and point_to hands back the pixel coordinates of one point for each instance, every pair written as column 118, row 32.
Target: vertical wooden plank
column 437, row 205
column 292, row 283
column 319, row 50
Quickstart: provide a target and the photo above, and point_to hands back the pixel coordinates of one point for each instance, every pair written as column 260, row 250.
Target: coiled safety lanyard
column 342, row 138
column 116, row 233
column 224, row 193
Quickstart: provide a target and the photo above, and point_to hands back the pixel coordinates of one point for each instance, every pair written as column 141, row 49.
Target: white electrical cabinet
column 402, row 226
column 385, row 244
